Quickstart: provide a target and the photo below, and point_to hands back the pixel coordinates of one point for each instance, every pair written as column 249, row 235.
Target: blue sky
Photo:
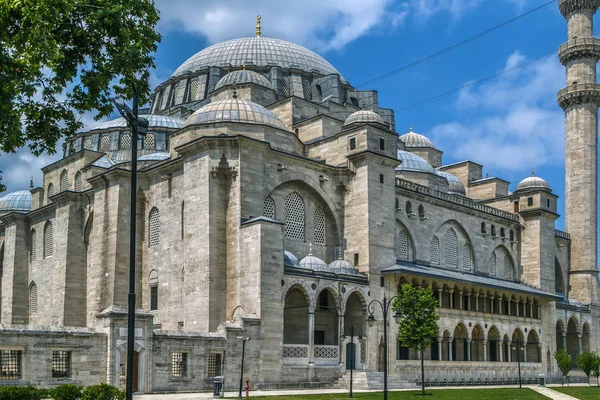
column 509, row 124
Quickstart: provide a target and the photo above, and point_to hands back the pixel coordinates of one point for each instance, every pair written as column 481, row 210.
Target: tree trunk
column 422, row 374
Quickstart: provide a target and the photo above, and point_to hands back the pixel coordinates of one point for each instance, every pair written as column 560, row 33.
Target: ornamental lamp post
column 138, row 126
column 385, row 308
column 352, row 331
column 244, row 340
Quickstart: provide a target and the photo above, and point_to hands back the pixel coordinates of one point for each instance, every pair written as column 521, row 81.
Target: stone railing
column 579, row 93
column 562, row 234
column 579, row 48
column 454, row 199
column 295, row 351
column 325, row 352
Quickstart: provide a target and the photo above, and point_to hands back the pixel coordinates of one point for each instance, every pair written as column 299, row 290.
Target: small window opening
column 493, row 230
column 530, row 201
column 381, row 144
column 421, row 211
column 356, row 259
column 502, row 232
column 153, row 298
column 516, row 206
column 380, row 178
column 483, row 227
column 511, row 235
column 409, row 208
column 352, row 143
column 548, row 203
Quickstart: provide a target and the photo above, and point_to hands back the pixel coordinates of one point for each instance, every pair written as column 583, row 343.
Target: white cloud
column 511, row 123
column 456, row 8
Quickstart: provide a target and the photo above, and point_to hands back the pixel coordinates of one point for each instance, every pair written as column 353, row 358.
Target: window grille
column 153, row 297
column 78, row 181
column 492, row 265
column 179, row 365
column 508, row 268
column 32, row 245
column 294, row 217
column 450, row 245
column 466, row 257
column 33, row 299
column 320, row 226
column 50, row 191
column 352, row 143
column 64, row 181
column 286, row 81
column 61, row 364
column 435, row 250
column 105, row 143
column 194, row 89
column 48, row 240
column 269, row 208
column 159, row 99
column 154, row 228
column 10, row 364
column 214, row 365
column 363, row 352
column 165, row 97
column 402, row 245
column 307, row 89
column 179, row 92
column 87, row 143
column 126, row 141
column 149, row 141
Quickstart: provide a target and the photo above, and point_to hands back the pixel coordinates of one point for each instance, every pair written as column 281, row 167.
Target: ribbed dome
column 412, row 162
column 454, row 184
column 343, row 267
column 154, row 121
column 243, row 76
column 313, row 263
column 364, row 117
column 289, row 259
column 159, row 156
column 234, row 110
column 413, row 139
column 533, row 182
column 260, row 52
column 16, row 201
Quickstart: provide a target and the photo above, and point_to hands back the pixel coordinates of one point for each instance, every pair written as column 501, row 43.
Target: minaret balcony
column 579, row 48
column 579, row 93
column 569, row 6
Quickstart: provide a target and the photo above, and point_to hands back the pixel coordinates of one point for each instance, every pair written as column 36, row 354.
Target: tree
column 596, row 369
column 565, row 363
column 419, row 320
column 586, row 361
column 61, row 58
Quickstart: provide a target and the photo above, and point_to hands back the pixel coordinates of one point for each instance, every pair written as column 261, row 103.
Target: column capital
column 440, row 339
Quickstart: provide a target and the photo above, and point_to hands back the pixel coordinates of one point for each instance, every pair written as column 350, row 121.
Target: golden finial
column 258, row 17
column 243, row 67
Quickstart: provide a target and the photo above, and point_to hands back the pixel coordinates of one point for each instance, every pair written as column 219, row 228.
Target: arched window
column 450, row 246
column 508, row 267
column 294, row 217
column 492, row 265
column 502, row 233
column 511, row 235
column 78, row 181
column 466, row 256
column 421, row 211
column 105, row 143
column 269, row 208
column 435, row 250
column 307, row 89
column 286, row 83
column 50, row 191
column 154, row 228
column 32, row 245
column 48, row 240
column 153, row 290
column 33, row 299
column 319, row 226
column 408, row 208
column 402, row 245
column 149, row 141
column 87, row 143
column 483, row 227
column 493, row 230
column 64, row 181
column 126, row 141
column 193, row 90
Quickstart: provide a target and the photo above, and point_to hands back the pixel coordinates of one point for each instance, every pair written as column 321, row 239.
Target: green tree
column 596, row 369
column 419, row 320
column 61, row 58
column 586, row 361
column 564, row 362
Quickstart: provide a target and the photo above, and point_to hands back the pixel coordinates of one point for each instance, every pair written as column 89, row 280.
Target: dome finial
column 234, row 92
column 244, row 67
column 340, row 255
column 411, row 128
column 532, row 171
column 31, row 183
column 258, row 17
column 310, row 249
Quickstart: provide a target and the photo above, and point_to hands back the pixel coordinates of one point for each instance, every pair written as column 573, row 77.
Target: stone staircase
column 370, row 380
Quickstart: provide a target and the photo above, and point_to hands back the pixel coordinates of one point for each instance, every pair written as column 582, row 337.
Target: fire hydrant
column 247, row 387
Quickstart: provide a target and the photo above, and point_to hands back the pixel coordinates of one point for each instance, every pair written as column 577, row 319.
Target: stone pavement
column 553, row 394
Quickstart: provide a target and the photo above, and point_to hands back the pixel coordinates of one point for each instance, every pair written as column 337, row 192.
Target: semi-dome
column 533, row 182
column 16, row 201
column 364, row 117
column 454, row 184
column 414, row 163
column 262, row 52
column 234, row 110
column 241, row 77
column 413, row 139
column 289, row 259
column 154, row 121
column 313, row 263
column 158, row 156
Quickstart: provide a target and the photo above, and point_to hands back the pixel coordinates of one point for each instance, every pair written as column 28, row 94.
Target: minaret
column 580, row 100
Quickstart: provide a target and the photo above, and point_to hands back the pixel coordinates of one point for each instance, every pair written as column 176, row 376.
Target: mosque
column 275, row 201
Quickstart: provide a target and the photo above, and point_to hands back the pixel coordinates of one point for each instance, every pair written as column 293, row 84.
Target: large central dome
column 260, row 51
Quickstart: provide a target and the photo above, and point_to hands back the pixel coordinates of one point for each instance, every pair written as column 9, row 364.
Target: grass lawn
column 581, row 392
column 450, row 394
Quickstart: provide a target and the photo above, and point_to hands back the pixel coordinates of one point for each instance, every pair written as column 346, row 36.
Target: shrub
column 66, row 392
column 22, row 393
column 565, row 363
column 102, row 392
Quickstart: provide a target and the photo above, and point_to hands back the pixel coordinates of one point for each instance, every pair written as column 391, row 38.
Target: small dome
column 454, row 184
column 364, row 117
column 342, row 267
column 313, row 263
column 234, row 110
column 533, row 182
column 242, row 76
column 289, row 259
column 154, row 121
column 413, row 139
column 412, row 162
column 16, row 201
column 159, row 156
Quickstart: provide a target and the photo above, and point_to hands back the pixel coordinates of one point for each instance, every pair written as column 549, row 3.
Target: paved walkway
column 553, row 394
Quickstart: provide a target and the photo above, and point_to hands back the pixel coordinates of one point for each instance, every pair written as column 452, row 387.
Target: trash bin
column 219, row 386
column 542, row 379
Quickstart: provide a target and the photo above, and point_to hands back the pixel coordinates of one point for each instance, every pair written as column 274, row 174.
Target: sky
column 510, row 124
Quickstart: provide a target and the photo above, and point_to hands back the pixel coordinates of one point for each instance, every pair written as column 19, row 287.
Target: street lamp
column 244, row 340
column 385, row 307
column 352, row 331
column 138, row 126
column 519, row 348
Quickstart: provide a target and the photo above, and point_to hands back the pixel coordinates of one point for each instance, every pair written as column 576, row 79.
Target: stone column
column 450, row 339
column 311, row 337
column 440, row 340
column 492, row 304
column 539, row 350
column 451, row 291
column 476, row 301
column 468, row 343
column 460, row 300
column 340, row 332
column 440, row 291
column 485, row 302
column 564, row 340
column 517, row 307
column 509, row 344
column 531, row 309
column 579, row 343
column 500, row 305
column 524, row 351
column 539, row 311
column 501, row 350
column 484, row 350
column 469, row 301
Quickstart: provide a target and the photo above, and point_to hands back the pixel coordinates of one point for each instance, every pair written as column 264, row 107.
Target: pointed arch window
column 483, row 227
column 50, row 191
column 269, row 208
column 421, row 211
column 402, row 245
column 493, row 230
column 508, row 267
column 511, row 235
column 48, row 239
column 320, row 228
column 435, row 250
column 294, row 217
column 502, row 233
column 450, row 246
column 466, row 256
column 154, row 228
column 32, row 245
column 33, row 299
column 64, row 181
column 78, row 181
column 409, row 208
column 492, row 265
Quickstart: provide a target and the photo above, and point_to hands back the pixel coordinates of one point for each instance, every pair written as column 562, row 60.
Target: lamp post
column 518, row 348
column 352, row 331
column 244, row 340
column 385, row 307
column 138, row 126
